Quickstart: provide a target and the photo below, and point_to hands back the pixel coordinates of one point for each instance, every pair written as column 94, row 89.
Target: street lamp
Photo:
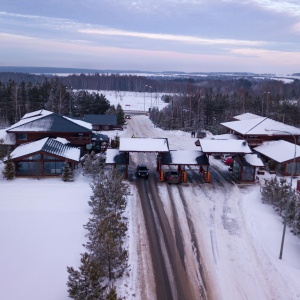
column 290, row 189
column 149, row 86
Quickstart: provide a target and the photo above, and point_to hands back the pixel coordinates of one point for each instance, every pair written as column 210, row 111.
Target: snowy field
column 134, row 101
column 41, row 232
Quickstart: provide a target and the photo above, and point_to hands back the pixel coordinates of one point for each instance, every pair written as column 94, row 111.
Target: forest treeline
column 195, row 102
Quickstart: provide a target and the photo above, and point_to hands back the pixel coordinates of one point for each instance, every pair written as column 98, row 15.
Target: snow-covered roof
column 144, row 145
column 29, row 117
column 8, row 138
column 47, row 145
column 37, row 114
column 280, row 151
column 80, row 123
column 38, row 121
column 253, row 160
column 225, row 146
column 114, row 156
column 227, row 136
column 258, row 126
column 246, row 116
column 184, row 157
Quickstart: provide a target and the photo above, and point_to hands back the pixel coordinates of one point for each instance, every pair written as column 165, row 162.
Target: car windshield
column 142, row 168
column 174, row 174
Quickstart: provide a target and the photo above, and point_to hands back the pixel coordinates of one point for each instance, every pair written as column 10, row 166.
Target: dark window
column 33, row 157
column 47, row 157
column 53, row 167
column 22, row 136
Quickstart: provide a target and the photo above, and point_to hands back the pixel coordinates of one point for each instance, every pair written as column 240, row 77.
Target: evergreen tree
column 92, row 165
column 112, row 294
column 68, row 174
column 9, row 169
column 87, row 282
column 120, row 115
column 107, row 227
column 295, row 224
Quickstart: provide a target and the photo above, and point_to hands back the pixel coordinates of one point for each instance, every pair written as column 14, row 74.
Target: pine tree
column 106, row 245
column 87, row 282
column 92, row 165
column 296, row 220
column 112, row 294
column 9, row 169
column 120, row 115
column 107, row 227
column 68, row 174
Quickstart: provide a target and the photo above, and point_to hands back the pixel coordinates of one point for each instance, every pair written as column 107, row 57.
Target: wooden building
column 256, row 130
column 42, row 123
column 102, row 122
column 283, row 154
column 43, row 158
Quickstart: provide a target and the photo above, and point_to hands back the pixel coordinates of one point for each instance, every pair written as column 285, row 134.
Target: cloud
column 282, row 6
column 169, row 37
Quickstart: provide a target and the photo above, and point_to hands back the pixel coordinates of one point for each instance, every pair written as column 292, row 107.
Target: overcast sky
column 261, row 36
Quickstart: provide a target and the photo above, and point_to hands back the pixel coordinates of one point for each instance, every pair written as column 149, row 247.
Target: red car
column 227, row 161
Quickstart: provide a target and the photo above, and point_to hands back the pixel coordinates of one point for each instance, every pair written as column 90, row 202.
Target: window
column 29, row 168
column 22, row 136
column 47, row 157
column 34, row 157
column 53, row 167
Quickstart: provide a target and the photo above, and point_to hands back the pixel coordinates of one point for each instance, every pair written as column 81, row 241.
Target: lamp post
column 149, row 86
column 144, row 103
column 290, row 190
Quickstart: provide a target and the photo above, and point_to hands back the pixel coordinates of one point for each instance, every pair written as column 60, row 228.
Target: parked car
column 224, row 156
column 142, row 171
column 127, row 116
column 172, row 177
column 227, row 161
column 201, row 134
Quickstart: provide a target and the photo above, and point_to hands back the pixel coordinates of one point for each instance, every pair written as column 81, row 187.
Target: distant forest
column 199, row 102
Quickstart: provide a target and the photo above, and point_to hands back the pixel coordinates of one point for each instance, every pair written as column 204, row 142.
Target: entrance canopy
column 184, row 157
column 144, row 145
column 224, row 146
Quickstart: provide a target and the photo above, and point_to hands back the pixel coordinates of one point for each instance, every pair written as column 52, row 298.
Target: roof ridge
column 257, row 124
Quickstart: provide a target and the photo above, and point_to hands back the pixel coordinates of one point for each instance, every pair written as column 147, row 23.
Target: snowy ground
column 134, row 100
column 41, row 232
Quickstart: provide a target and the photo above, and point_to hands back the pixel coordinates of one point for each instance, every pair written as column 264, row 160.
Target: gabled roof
column 45, row 121
column 224, row 146
column 258, row 126
column 47, row 145
column 101, row 119
column 246, row 116
column 280, row 151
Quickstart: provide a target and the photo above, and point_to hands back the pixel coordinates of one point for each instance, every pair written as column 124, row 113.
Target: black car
column 127, row 117
column 142, row 171
column 201, row 134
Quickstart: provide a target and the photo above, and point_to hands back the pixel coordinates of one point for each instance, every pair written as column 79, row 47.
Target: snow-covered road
column 236, row 263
